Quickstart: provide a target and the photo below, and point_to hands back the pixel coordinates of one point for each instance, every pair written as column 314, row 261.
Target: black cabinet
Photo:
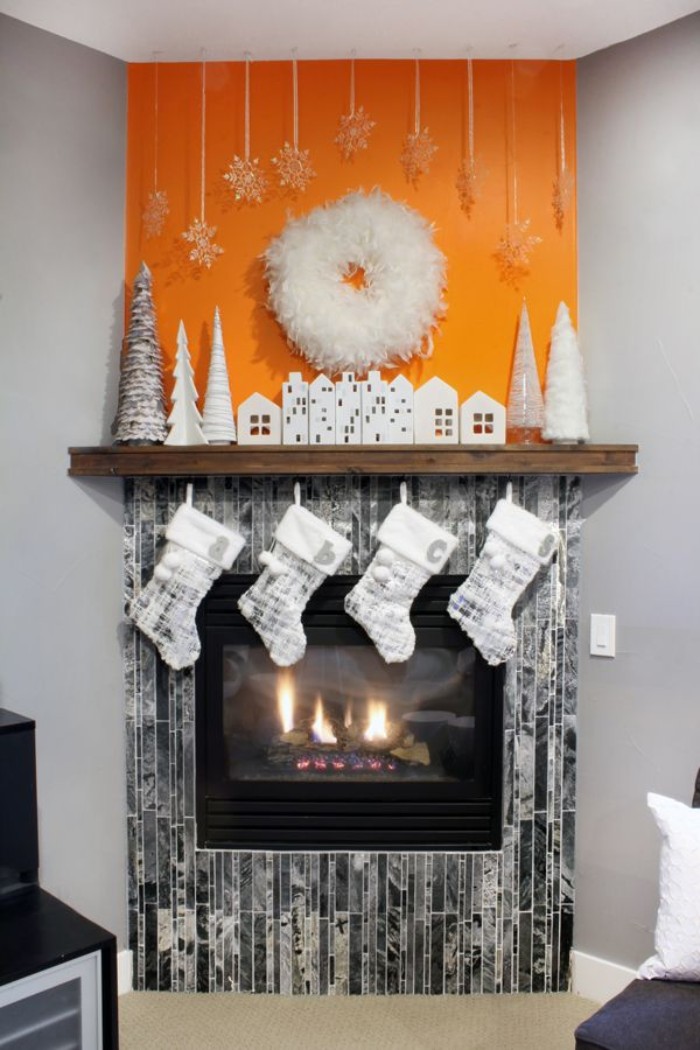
column 58, row 977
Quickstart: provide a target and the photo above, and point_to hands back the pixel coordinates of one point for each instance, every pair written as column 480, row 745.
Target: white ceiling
column 269, row 29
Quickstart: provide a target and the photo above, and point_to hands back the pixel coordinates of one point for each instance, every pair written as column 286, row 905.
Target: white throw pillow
column 677, row 938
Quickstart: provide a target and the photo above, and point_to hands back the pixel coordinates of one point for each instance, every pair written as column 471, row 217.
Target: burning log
column 350, row 740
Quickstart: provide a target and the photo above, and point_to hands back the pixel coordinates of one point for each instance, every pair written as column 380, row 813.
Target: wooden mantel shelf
column 197, row 460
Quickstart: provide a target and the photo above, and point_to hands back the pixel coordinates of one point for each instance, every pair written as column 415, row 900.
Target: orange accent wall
column 474, row 347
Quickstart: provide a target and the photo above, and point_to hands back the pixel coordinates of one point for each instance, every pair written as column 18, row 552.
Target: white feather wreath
column 336, row 325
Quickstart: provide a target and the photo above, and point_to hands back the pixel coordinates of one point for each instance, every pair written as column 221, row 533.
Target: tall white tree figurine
column 565, row 408
column 140, row 418
column 185, row 418
column 218, row 426
column 525, row 415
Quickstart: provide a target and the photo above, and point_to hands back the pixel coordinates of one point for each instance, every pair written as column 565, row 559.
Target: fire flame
column 285, row 703
column 376, row 721
column 322, row 730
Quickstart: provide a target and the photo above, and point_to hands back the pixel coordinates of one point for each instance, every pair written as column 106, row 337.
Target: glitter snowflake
column 249, row 183
column 155, row 212
column 203, row 251
column 514, row 249
column 417, row 154
column 561, row 196
column 468, row 184
column 294, row 170
column 354, row 130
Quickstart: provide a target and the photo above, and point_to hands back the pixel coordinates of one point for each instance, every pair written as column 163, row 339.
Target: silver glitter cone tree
column 185, row 418
column 525, row 412
column 218, row 425
column 140, row 418
column 565, row 409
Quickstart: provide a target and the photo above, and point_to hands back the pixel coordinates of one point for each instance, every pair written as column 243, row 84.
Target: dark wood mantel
column 209, row 460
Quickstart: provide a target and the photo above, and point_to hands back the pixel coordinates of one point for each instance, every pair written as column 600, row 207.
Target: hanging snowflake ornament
column 514, row 250
column 468, row 178
column 563, row 188
column 200, row 235
column 562, row 193
column 294, row 171
column 355, row 127
column 418, row 148
column 155, row 213
column 293, row 167
column 248, row 181
column 203, row 251
column 517, row 243
column 467, row 185
column 354, row 130
column 157, row 206
column 417, row 154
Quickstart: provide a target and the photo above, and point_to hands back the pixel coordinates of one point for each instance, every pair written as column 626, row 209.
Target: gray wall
column 62, row 127
column 639, row 229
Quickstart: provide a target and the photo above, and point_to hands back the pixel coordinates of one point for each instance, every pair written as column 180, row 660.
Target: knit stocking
column 305, row 551
column 412, row 549
column 518, row 545
column 197, row 551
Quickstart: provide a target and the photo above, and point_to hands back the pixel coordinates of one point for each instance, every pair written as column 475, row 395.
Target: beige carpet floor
column 177, row 1021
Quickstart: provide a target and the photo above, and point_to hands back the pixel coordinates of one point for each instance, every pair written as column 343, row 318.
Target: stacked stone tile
column 140, row 416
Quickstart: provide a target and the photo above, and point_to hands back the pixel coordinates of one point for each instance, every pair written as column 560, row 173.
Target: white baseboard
column 598, row 979
column 125, row 971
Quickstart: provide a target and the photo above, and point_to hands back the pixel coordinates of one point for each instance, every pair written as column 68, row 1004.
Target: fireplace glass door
column 342, row 749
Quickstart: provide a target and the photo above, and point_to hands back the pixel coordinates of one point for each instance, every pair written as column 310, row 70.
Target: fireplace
column 343, row 751
column 353, row 921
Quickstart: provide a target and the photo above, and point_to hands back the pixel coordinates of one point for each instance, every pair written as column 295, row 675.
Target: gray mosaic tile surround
column 358, row 923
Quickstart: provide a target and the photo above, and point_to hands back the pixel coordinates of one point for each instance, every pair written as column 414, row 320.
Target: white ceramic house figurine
column 435, row 420
column 399, row 418
column 373, row 395
column 482, row 421
column 348, row 421
column 259, row 421
column 321, row 411
column 295, row 410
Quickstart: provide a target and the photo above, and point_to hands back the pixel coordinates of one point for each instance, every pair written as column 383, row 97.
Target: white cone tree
column 140, row 418
column 565, row 407
column 218, row 425
column 525, row 413
column 185, row 418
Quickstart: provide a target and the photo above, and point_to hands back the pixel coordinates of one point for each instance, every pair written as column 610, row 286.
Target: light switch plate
column 602, row 634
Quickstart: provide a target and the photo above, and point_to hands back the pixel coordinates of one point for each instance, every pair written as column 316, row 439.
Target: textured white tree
column 525, row 414
column 218, row 425
column 140, row 418
column 565, row 407
column 185, row 418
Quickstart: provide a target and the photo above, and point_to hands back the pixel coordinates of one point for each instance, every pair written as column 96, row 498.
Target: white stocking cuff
column 312, row 540
column 523, row 530
column 416, row 538
column 200, row 535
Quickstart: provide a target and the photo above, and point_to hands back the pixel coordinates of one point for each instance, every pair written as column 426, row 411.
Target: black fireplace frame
column 378, row 816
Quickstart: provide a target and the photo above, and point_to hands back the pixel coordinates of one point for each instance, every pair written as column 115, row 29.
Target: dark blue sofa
column 647, row 1015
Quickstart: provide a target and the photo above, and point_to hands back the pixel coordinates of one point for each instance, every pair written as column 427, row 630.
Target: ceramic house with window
column 321, row 411
column 435, row 418
column 373, row 398
column 295, row 410
column 259, row 421
column 482, row 421
column 399, row 412
column 348, row 409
